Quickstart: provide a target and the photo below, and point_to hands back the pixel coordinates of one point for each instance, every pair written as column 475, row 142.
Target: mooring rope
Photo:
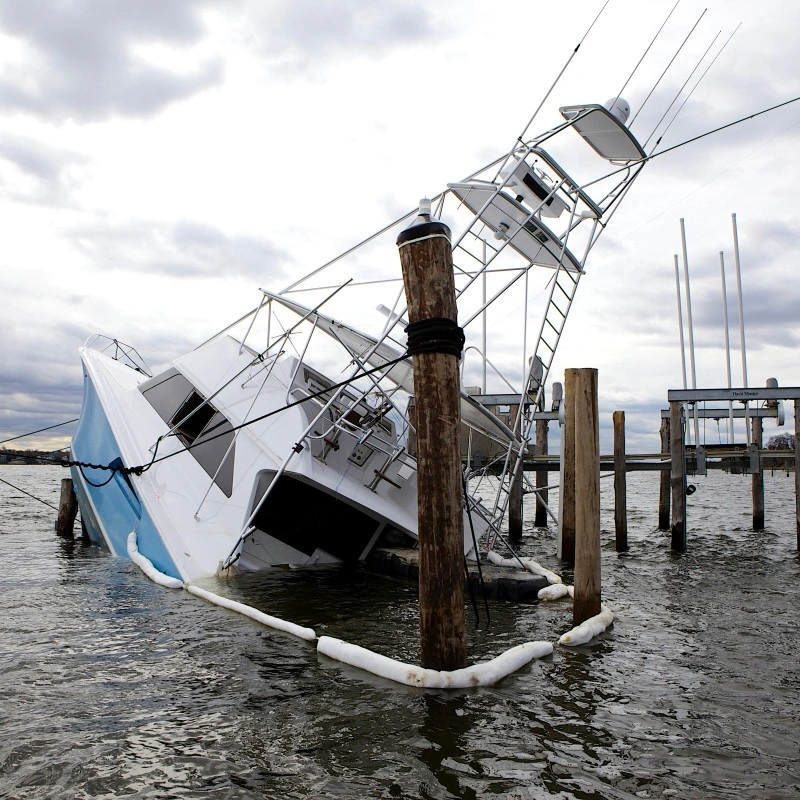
column 435, row 335
column 38, row 499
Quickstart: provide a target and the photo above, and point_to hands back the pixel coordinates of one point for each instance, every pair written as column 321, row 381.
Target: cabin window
column 198, row 424
column 192, row 418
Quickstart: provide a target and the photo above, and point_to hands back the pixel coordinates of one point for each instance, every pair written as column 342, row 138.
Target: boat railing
column 356, row 420
column 119, row 351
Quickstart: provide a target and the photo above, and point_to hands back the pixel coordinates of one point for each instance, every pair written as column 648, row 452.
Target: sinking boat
column 288, row 437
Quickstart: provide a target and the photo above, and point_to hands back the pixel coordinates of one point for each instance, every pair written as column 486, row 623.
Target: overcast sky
column 161, row 161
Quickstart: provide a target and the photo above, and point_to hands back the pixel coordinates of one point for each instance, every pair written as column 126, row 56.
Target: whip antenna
column 563, row 70
column 678, row 94
column 667, row 67
column 699, row 81
column 653, row 41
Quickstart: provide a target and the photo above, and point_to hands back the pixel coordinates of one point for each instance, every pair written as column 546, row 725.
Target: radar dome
column 619, row 107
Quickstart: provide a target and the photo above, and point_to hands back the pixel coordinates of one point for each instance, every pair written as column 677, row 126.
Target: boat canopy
column 604, row 133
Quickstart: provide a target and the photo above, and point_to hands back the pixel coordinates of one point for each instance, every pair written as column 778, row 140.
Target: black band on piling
column 422, row 230
column 435, row 335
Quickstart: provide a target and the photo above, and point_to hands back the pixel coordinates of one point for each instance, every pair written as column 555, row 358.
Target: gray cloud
column 48, row 389
column 80, row 61
column 178, row 249
column 41, row 391
column 38, row 173
column 769, row 298
column 301, row 34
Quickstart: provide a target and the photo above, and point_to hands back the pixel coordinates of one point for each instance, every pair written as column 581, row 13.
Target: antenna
column 699, row 81
column 675, row 100
column 563, row 70
column 647, row 50
column 667, row 67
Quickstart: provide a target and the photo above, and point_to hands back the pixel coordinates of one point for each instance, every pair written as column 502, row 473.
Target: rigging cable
column 653, row 156
column 48, row 428
column 38, row 499
column 477, row 559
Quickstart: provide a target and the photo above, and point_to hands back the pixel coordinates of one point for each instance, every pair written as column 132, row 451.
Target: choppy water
column 113, row 687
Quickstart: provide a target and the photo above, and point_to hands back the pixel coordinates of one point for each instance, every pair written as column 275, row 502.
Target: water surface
column 111, row 686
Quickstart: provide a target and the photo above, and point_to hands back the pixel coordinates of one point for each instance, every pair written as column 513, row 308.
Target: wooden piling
column 567, row 494
column 620, row 483
column 515, row 505
column 540, row 518
column 758, row 477
column 427, row 264
column 67, row 509
column 677, row 476
column 663, row 490
column 586, row 601
column 515, row 492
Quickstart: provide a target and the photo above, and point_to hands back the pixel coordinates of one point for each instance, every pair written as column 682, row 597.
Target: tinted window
column 206, row 430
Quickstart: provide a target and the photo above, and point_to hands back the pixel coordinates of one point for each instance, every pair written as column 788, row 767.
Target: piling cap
column 423, row 226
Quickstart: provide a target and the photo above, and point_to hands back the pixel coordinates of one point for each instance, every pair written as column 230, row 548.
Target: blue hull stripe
column 112, row 511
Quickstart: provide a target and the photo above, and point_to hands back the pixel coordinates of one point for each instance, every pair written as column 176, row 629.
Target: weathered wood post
column 620, row 483
column 435, row 342
column 567, row 515
column 67, row 509
column 542, row 476
column 515, row 493
column 586, row 602
column 758, row 477
column 677, row 477
column 663, row 489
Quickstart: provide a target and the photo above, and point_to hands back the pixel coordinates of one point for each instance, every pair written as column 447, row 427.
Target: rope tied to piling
column 435, row 335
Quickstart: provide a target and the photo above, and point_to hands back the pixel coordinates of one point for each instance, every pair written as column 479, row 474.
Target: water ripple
column 111, row 686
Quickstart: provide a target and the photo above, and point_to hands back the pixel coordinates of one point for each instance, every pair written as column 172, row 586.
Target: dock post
column 515, row 505
column 586, row 602
column 678, row 476
column 797, row 468
column 663, row 490
column 67, row 509
column 620, row 483
column 540, row 520
column 758, row 477
column 516, row 491
column 435, row 343
column 567, row 493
